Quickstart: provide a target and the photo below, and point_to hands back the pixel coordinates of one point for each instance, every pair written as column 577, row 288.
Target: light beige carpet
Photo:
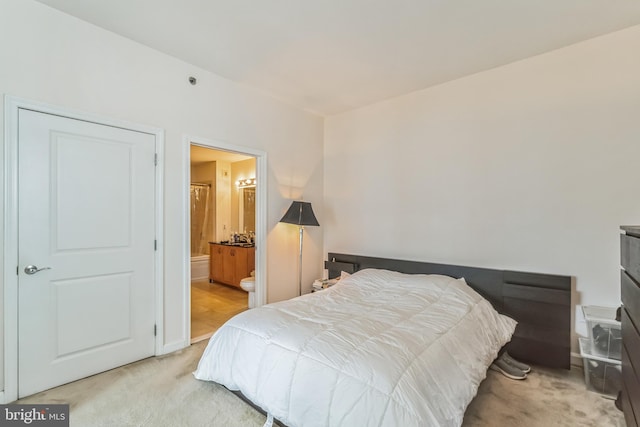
column 546, row 398
column 161, row 391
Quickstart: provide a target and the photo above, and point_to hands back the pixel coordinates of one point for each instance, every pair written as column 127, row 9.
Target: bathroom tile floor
column 212, row 304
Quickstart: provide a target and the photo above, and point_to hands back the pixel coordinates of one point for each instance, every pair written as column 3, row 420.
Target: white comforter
column 379, row 348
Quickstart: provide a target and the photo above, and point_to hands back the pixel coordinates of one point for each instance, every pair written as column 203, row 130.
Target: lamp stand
column 300, row 214
column 300, row 263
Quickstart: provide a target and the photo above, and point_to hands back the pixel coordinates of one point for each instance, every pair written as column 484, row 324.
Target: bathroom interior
column 222, row 237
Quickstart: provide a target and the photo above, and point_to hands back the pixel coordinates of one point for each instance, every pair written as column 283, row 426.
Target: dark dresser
column 630, row 290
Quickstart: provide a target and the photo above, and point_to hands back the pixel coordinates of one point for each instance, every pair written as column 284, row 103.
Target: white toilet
column 248, row 284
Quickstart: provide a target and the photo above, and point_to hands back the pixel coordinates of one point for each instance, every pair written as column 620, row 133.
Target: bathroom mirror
column 247, row 209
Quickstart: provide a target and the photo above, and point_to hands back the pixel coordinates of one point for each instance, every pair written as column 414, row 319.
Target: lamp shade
column 300, row 213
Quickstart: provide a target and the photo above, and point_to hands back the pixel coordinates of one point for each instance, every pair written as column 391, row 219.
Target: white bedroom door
column 86, row 234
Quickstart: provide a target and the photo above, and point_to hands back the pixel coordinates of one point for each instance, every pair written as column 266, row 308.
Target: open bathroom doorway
column 225, row 234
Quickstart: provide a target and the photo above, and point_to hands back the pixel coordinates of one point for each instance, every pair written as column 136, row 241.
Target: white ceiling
column 330, row 56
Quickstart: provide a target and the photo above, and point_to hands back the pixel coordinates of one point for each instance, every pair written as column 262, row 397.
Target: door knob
column 32, row 269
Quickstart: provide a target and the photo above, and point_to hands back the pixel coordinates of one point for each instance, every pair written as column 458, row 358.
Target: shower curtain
column 199, row 218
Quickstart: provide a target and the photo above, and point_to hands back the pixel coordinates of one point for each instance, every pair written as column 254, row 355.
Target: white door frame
column 261, row 219
column 12, row 105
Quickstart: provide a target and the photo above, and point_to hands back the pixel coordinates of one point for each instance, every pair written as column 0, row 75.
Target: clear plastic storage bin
column 601, row 375
column 605, row 335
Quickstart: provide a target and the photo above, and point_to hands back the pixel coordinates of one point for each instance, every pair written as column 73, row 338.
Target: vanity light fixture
column 245, row 183
column 300, row 214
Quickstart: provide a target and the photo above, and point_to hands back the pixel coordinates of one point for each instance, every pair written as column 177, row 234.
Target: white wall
column 531, row 166
column 50, row 57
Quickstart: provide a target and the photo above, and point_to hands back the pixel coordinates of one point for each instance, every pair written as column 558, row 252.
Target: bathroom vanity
column 230, row 263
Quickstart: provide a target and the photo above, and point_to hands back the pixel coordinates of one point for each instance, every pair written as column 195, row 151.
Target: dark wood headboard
column 540, row 303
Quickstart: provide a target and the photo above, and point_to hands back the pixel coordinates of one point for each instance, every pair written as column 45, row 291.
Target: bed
column 396, row 343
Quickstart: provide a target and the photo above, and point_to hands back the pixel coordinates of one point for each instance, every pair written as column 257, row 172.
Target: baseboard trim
column 175, row 346
column 576, row 360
